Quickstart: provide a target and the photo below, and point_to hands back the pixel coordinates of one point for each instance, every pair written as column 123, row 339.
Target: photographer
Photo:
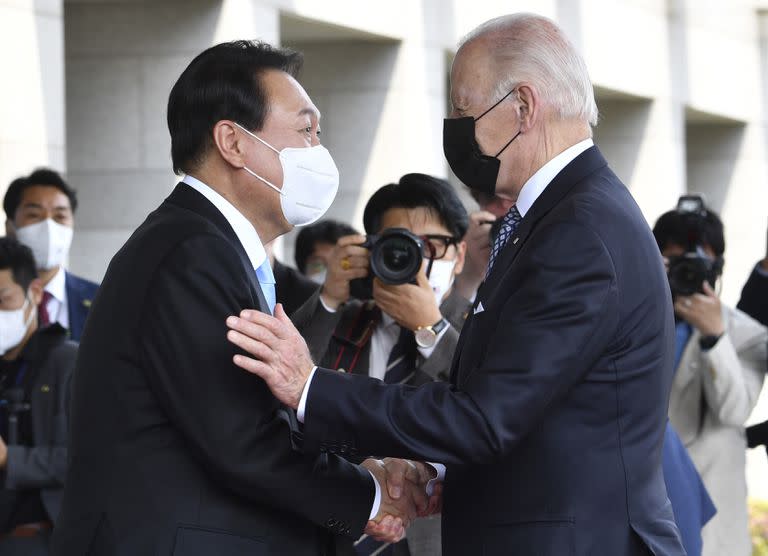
column 408, row 332
column 721, row 355
column 35, row 370
column 315, row 243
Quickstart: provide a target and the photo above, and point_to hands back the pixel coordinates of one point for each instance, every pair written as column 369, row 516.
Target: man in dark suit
column 35, row 370
column 175, row 451
column 40, row 210
column 754, row 296
column 552, row 425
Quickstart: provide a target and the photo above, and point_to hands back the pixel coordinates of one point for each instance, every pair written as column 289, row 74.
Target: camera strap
column 357, row 336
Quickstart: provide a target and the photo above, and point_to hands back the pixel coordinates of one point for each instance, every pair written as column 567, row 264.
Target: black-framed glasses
column 436, row 245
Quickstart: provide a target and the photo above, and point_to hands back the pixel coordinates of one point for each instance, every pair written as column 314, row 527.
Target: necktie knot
column 508, row 227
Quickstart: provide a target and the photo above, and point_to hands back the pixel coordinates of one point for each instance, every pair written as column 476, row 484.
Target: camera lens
column 686, row 275
column 396, row 256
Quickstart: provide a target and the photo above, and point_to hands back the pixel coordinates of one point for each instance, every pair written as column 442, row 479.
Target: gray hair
column 530, row 47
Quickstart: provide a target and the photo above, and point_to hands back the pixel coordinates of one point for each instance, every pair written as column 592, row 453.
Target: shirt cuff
column 303, row 401
column 325, row 306
column 376, row 499
column 427, row 352
column 440, row 468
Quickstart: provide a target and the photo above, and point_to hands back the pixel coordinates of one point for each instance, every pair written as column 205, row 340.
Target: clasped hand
column 403, row 496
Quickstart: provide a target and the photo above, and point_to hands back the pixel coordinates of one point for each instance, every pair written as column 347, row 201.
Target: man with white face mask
column 35, row 368
column 406, row 333
column 177, row 450
column 40, row 210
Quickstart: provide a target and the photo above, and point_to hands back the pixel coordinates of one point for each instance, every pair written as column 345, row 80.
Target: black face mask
column 475, row 169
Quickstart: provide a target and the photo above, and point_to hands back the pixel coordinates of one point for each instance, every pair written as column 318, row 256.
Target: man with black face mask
column 552, row 424
column 720, row 356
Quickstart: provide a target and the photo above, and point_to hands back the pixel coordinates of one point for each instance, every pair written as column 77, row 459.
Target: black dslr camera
column 687, row 272
column 395, row 258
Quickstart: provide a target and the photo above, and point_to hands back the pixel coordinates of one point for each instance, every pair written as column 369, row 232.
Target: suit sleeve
column 754, row 297
column 316, row 325
column 229, row 417
column 551, row 330
column 45, row 465
column 735, row 378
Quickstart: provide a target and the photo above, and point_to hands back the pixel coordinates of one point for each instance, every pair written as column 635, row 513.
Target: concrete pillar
column 32, row 94
column 122, row 60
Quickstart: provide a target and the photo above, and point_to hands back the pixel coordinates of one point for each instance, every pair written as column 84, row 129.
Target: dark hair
column 222, row 83
column 678, row 228
column 414, row 191
column 41, row 176
column 325, row 231
column 19, row 259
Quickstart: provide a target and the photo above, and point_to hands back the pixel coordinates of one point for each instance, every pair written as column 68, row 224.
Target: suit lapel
column 186, row 197
column 582, row 166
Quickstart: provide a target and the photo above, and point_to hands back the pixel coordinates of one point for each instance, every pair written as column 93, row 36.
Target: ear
column 35, row 291
column 529, row 102
column 10, row 229
column 230, row 142
column 461, row 254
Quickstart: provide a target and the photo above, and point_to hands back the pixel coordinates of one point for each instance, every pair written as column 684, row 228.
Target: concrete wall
column 32, row 91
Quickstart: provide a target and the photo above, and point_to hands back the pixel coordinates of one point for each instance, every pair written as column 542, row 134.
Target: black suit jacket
column 50, row 361
column 754, row 297
column 553, row 423
column 174, row 450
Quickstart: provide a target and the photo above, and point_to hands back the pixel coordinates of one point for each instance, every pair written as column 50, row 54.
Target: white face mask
column 441, row 278
column 318, row 277
column 13, row 327
column 49, row 242
column 310, row 181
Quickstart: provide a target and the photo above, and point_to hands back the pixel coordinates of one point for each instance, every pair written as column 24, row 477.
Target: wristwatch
column 426, row 336
column 708, row 342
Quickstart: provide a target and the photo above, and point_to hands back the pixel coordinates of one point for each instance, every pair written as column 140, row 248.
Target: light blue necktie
column 267, row 283
column 508, row 227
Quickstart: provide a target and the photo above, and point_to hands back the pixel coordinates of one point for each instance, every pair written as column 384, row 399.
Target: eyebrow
column 39, row 206
column 310, row 112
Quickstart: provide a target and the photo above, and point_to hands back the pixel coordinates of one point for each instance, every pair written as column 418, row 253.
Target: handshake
column 403, row 496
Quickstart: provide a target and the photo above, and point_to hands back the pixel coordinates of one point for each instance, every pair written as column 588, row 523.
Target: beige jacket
column 712, row 396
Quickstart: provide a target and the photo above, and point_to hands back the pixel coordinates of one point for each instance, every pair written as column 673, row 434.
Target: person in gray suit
column 35, row 370
column 404, row 333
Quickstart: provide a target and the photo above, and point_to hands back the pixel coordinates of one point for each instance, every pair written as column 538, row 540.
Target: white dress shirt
column 57, row 307
column 254, row 248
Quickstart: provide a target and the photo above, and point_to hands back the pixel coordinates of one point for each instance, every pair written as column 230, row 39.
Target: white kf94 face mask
column 441, row 278
column 310, row 181
column 49, row 242
column 13, row 327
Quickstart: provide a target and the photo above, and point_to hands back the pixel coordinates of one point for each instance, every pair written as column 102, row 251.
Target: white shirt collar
column 539, row 181
column 244, row 230
column 57, row 287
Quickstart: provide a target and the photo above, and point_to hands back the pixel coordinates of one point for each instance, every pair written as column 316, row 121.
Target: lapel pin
column 86, row 303
column 45, row 388
column 514, row 241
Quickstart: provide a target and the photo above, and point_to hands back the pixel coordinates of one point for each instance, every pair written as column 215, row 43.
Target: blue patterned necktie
column 267, row 283
column 508, row 227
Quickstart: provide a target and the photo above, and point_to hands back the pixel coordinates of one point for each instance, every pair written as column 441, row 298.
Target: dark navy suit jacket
column 80, row 294
column 553, row 422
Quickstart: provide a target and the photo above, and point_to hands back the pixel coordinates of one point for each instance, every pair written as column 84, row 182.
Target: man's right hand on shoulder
column 347, row 262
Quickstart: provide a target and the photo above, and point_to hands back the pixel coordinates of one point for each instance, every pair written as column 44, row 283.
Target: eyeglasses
column 436, row 245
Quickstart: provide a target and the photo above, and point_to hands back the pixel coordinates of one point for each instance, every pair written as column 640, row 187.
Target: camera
column 395, row 258
column 687, row 272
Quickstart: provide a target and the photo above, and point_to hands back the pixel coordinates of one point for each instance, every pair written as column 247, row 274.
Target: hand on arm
column 282, row 358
